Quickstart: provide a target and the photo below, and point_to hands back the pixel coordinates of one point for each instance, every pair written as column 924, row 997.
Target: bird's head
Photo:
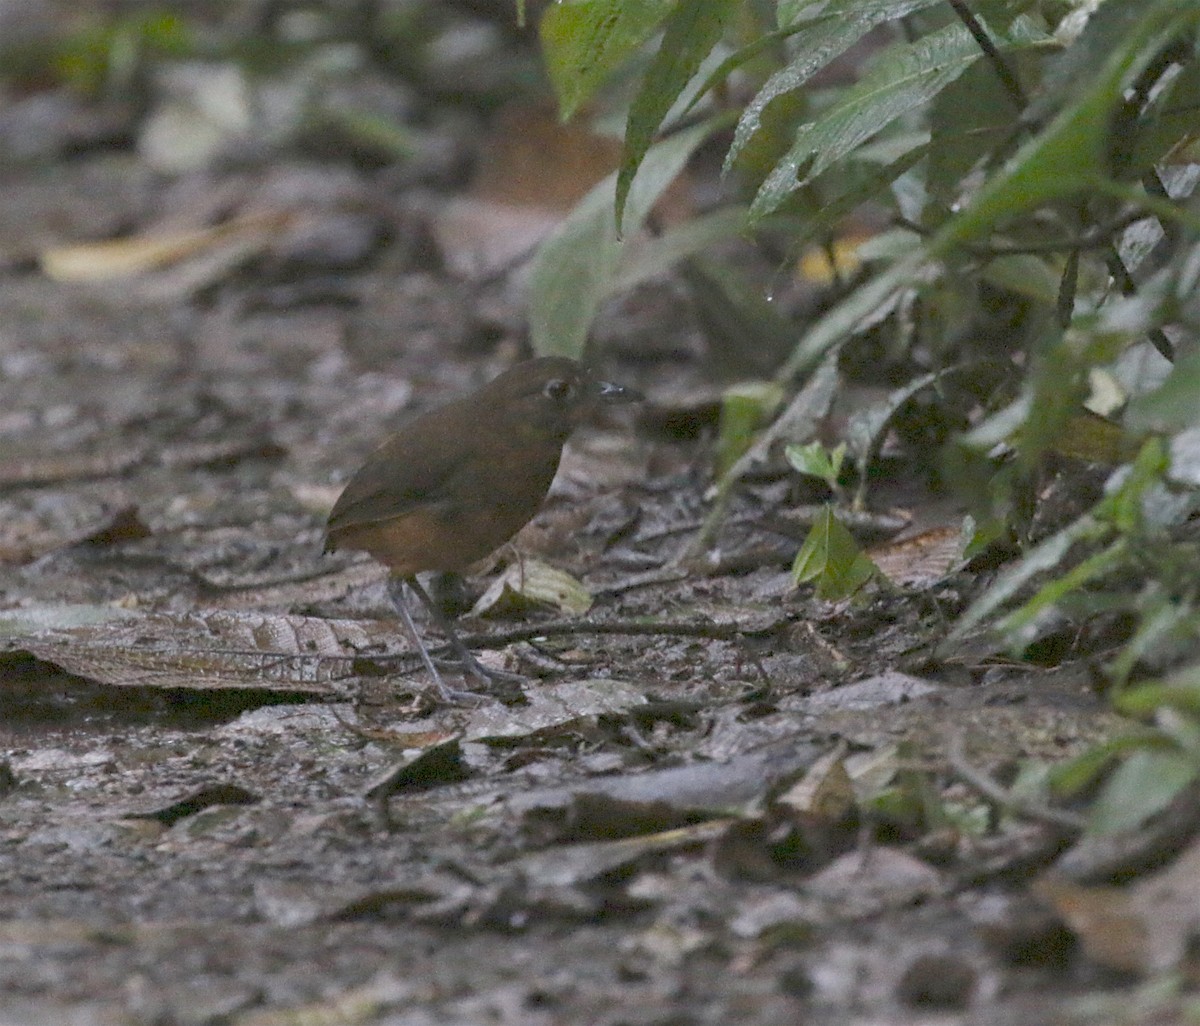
column 551, row 395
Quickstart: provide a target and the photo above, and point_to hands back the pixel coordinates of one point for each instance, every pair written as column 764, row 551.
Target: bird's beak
column 607, row 392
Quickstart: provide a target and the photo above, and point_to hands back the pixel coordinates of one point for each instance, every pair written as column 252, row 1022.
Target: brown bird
column 457, row 482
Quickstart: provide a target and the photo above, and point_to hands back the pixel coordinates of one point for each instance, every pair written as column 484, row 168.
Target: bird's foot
column 460, row 696
column 474, row 669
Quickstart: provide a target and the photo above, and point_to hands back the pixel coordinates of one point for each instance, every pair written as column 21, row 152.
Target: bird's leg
column 395, row 590
column 471, row 666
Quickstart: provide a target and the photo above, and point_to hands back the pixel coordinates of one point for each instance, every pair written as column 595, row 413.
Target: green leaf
column 1070, row 777
column 969, row 119
column 1072, row 151
column 1058, row 390
column 999, row 14
column 842, row 24
column 817, row 461
column 584, row 41
column 1118, row 512
column 902, row 79
column 1166, row 626
column 1018, row 625
column 1123, row 507
column 844, row 189
column 789, row 12
column 744, row 409
column 1107, row 32
column 800, row 420
column 1042, row 557
column 831, row 557
column 1174, row 117
column 1145, row 783
column 1180, row 690
column 742, row 56
column 692, row 30
column 1173, row 405
column 574, row 269
column 1024, row 275
column 654, row 256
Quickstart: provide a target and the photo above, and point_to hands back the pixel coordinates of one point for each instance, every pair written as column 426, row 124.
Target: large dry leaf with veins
column 214, row 650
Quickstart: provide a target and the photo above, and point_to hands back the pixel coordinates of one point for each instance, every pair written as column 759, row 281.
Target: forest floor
column 228, row 796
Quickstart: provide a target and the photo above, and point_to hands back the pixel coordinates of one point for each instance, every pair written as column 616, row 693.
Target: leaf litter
column 658, row 818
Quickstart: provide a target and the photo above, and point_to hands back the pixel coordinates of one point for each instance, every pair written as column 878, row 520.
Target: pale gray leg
column 471, row 666
column 396, row 594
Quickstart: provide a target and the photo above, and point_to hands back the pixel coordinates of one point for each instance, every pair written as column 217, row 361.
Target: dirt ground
column 227, row 796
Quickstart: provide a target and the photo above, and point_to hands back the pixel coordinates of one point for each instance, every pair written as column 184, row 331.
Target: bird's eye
column 558, row 390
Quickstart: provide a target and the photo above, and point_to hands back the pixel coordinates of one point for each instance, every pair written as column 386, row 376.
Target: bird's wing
column 411, row 470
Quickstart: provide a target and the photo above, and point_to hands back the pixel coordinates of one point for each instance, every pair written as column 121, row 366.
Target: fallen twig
column 987, row 787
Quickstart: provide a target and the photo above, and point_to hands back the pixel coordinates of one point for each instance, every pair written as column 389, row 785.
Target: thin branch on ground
column 704, row 629
column 988, row 788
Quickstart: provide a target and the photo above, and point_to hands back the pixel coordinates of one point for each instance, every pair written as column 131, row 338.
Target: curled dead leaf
column 532, row 582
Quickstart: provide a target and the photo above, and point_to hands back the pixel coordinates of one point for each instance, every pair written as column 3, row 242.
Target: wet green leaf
column 691, row 32
column 574, row 269
column 817, row 461
column 902, row 79
column 842, row 24
column 1145, row 783
column 745, row 408
column 585, row 41
column 831, row 558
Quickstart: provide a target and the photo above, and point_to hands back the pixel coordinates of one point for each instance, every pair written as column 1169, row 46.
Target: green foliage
column 744, row 409
column 835, row 28
column 104, row 55
column 1145, row 783
column 585, row 41
column 817, row 461
column 831, row 558
column 692, row 30
column 577, row 267
column 905, row 78
column 1046, row 259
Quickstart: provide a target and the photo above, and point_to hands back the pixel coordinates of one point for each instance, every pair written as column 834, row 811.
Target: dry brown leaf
column 920, row 559
column 124, row 258
column 531, row 582
column 825, row 791
column 532, row 172
column 213, row 650
column 1143, row 928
